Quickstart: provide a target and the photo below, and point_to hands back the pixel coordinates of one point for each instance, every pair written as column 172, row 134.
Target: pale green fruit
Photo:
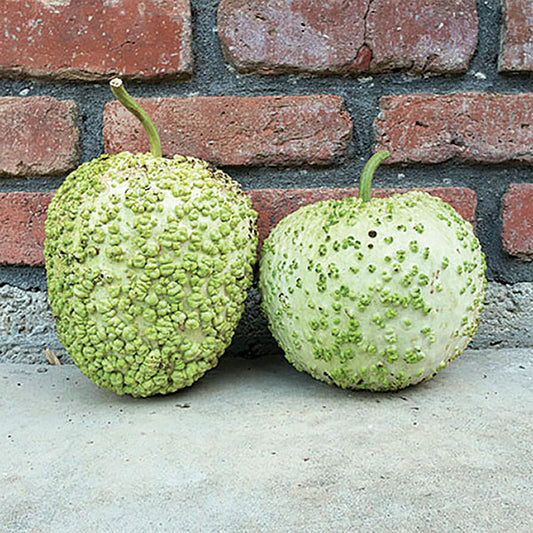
column 373, row 295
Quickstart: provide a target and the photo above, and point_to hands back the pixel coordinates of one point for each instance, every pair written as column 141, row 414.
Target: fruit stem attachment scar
column 365, row 182
column 135, row 109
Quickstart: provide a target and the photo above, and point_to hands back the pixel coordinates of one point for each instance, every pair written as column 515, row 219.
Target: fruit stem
column 135, row 109
column 365, row 182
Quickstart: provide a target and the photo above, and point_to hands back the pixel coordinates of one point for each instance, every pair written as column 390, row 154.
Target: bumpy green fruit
column 148, row 264
column 377, row 294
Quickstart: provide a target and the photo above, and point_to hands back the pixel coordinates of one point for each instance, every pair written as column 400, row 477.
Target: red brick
column 266, row 131
column 39, row 136
column 422, row 36
column 22, row 217
column 94, row 39
column 429, row 128
column 517, row 221
column 516, row 54
column 273, row 36
column 274, row 204
column 328, row 36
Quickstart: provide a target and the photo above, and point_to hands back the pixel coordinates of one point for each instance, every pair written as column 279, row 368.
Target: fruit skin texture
column 148, row 264
column 374, row 295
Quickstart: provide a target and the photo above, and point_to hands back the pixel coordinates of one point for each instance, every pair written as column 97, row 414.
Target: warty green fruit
column 148, row 264
column 377, row 294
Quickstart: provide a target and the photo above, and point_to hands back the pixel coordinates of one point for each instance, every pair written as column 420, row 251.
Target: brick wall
column 289, row 97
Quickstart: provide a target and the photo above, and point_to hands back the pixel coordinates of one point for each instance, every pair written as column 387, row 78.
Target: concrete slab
column 257, row 447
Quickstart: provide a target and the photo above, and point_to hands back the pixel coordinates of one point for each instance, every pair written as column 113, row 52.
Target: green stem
column 365, row 182
column 135, row 109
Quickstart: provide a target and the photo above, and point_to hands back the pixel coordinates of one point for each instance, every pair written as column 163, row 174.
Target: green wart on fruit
column 373, row 293
column 148, row 262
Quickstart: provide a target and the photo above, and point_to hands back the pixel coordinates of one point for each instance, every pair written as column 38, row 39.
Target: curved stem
column 365, row 182
column 135, row 109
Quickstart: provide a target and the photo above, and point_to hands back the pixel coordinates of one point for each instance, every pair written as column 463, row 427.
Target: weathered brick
column 39, row 136
column 266, row 131
column 328, row 36
column 429, row 128
column 422, row 36
column 516, row 54
column 22, row 217
column 274, row 204
column 273, row 36
column 517, row 220
column 94, row 39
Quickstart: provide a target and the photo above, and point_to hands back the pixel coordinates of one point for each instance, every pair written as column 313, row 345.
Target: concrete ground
column 257, row 447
